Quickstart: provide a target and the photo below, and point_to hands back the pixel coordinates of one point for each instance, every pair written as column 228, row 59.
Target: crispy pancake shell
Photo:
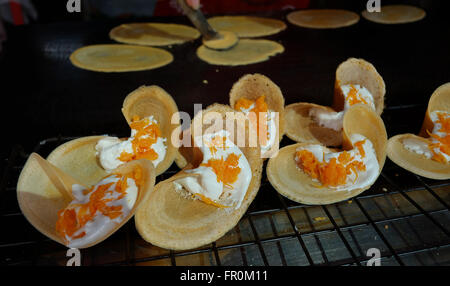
column 301, row 127
column 395, row 14
column 293, row 183
column 252, row 86
column 155, row 101
column 323, row 18
column 172, row 220
column 40, row 198
column 416, row 163
column 153, row 34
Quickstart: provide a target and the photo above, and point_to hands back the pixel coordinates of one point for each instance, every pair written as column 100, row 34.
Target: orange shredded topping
column 217, row 142
column 260, row 105
column 227, row 170
column 441, row 143
column 146, row 135
column 75, row 216
column 359, row 145
column 354, row 97
column 208, row 201
column 335, row 172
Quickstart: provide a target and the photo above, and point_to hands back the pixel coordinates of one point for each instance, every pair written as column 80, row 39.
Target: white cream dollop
column 207, row 184
column 423, row 148
column 100, row 224
column 417, row 146
column 270, row 117
column 109, row 149
column 358, row 180
column 332, row 119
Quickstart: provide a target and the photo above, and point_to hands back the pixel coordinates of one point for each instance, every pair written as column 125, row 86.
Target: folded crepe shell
column 252, row 86
column 300, row 127
column 293, row 183
column 416, row 163
column 170, row 220
column 155, row 101
column 78, row 159
column 359, row 72
column 40, row 199
column 306, row 129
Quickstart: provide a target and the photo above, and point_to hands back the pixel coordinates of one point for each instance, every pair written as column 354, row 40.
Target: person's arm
column 195, row 4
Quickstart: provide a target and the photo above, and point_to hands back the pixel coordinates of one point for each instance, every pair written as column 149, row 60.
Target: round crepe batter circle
column 246, row 51
column 247, row 26
column 226, row 40
column 153, row 34
column 323, row 18
column 119, row 58
column 395, row 14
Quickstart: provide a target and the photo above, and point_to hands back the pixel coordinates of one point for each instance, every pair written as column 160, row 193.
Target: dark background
column 44, row 95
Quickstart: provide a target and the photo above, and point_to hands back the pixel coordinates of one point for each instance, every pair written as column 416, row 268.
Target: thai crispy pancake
column 245, row 52
column 251, row 87
column 155, row 101
column 119, row 58
column 301, row 127
column 323, row 18
column 40, row 199
column 395, row 14
column 170, row 220
column 153, row 34
column 306, row 129
column 247, row 26
column 78, row 157
column 292, row 182
column 417, row 163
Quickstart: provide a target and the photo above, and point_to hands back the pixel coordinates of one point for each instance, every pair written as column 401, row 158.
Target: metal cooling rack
column 404, row 216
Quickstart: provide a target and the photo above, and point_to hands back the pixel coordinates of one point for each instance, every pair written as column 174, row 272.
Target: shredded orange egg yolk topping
column 227, row 171
column 216, row 142
column 101, row 196
column 147, row 134
column 354, row 97
column 259, row 105
column 334, row 172
column 440, row 139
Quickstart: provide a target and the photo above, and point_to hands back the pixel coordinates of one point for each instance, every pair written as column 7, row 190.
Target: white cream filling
column 271, row 127
column 417, row 146
column 206, row 182
column 109, row 149
column 422, row 148
column 100, row 224
column 332, row 119
column 354, row 181
column 327, row 118
column 363, row 93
